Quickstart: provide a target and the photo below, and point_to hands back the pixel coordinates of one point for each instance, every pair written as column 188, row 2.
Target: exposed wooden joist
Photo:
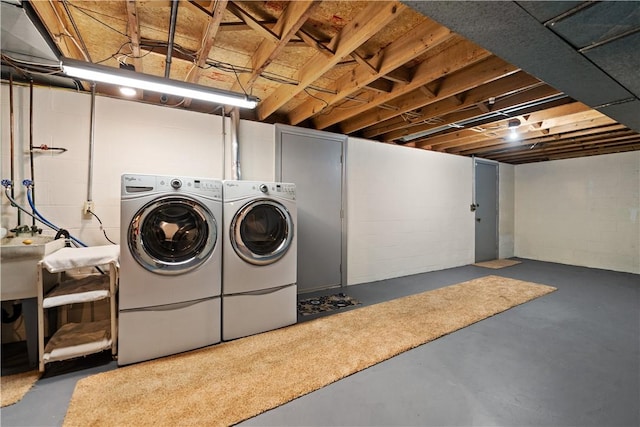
column 528, row 150
column 315, row 44
column 55, row 18
column 208, row 39
column 501, row 137
column 477, row 74
column 468, row 136
column 373, row 17
column 252, row 22
column 455, row 57
column 396, row 128
column 289, row 23
column 411, row 45
column 133, row 29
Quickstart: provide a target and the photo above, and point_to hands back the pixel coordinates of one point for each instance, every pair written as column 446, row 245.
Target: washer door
column 261, row 232
column 172, row 235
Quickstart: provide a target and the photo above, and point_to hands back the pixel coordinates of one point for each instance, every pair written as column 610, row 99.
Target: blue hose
column 27, row 183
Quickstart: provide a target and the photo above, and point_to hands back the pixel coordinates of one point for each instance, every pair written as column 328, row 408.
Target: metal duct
column 235, row 145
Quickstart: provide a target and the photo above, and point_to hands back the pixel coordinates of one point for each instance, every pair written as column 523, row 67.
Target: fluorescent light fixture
column 121, row 77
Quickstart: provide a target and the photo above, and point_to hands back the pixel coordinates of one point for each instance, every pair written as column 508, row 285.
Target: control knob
column 264, row 188
column 176, row 183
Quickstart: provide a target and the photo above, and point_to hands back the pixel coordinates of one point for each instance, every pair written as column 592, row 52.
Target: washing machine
column 259, row 256
column 170, row 265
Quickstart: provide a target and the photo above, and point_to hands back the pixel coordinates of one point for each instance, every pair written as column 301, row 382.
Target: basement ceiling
column 516, row 82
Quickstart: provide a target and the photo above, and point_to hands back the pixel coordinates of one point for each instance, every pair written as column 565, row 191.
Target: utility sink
column 19, row 257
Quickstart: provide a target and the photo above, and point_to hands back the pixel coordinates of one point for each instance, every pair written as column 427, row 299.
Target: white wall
column 581, row 211
column 506, row 210
column 129, row 137
column 408, row 211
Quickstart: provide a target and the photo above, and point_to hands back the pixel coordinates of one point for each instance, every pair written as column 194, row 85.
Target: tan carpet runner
column 14, row 387
column 230, row 382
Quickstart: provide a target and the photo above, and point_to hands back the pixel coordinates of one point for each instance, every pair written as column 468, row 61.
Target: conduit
column 91, row 142
column 236, row 173
column 172, row 34
column 12, row 143
column 33, row 220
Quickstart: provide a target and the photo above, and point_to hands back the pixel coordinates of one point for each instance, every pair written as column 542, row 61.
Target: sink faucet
column 20, row 229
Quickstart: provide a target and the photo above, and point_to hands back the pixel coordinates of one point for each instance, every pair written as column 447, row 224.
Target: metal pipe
column 224, row 141
column 12, row 142
column 172, row 34
column 91, row 142
column 236, row 173
column 33, row 191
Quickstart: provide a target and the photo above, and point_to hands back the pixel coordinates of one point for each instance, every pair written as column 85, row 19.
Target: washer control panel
column 136, row 183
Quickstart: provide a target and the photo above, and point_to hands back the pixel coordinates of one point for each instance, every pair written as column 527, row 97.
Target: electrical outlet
column 88, row 206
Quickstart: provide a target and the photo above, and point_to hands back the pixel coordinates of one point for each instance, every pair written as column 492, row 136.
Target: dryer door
column 261, row 231
column 172, row 235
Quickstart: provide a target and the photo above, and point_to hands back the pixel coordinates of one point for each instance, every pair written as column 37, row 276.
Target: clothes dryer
column 259, row 257
column 170, row 265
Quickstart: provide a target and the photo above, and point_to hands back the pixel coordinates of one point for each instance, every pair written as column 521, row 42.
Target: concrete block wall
column 130, row 137
column 408, row 211
column 582, row 211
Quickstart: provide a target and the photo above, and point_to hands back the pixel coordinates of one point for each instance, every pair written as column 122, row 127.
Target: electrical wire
column 326, row 104
column 66, row 32
column 84, row 10
column 31, row 68
column 101, row 227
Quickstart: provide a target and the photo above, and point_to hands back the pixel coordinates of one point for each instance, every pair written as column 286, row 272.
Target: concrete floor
column 571, row 358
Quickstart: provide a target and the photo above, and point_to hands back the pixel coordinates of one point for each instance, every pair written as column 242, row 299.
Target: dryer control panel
column 139, row 183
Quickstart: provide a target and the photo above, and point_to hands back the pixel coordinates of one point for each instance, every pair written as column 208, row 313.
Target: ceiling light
column 128, row 91
column 513, row 125
column 122, row 77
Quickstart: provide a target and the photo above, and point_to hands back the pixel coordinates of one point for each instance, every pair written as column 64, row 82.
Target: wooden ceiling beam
column 290, row 22
column 588, row 136
column 310, row 41
column 386, row 61
column 475, row 75
column 595, row 152
column 574, row 150
column 206, row 44
column 470, row 135
column 133, row 29
column 458, row 56
column 458, row 116
column 59, row 26
column 532, row 153
column 253, row 23
column 501, row 136
column 208, row 39
column 400, row 75
column 379, row 86
column 365, row 25
column 395, row 129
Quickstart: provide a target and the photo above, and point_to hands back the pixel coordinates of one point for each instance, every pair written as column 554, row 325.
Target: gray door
column 313, row 161
column 486, row 180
